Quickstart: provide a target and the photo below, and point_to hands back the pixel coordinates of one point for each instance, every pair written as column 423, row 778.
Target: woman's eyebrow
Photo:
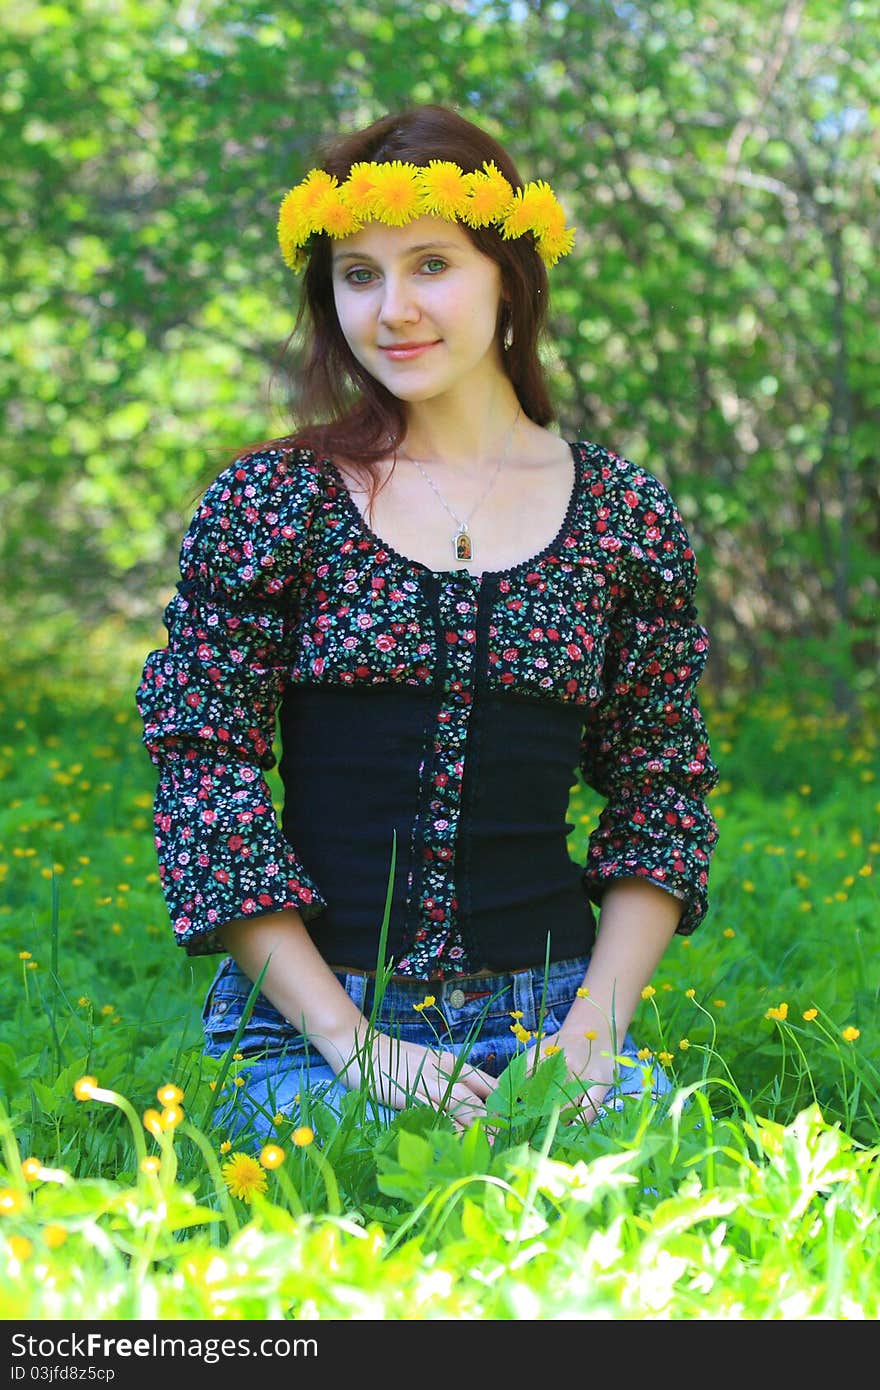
column 408, row 251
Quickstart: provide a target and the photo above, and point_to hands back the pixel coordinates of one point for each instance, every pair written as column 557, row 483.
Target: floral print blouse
column 284, row 585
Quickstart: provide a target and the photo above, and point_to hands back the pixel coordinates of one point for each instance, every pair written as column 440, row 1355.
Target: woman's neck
column 458, row 433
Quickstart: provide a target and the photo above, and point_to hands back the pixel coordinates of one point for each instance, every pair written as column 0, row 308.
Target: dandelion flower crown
column 397, row 192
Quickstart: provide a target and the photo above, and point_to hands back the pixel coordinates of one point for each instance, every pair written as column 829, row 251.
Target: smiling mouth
column 401, row 351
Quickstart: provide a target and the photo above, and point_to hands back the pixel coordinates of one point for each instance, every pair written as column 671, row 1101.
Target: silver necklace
column 462, row 540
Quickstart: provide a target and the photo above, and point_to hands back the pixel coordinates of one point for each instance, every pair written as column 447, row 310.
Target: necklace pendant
column 462, row 544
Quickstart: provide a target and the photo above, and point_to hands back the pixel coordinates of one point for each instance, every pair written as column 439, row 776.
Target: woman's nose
column 398, row 301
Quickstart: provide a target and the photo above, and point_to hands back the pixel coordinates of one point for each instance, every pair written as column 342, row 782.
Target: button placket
column 457, row 631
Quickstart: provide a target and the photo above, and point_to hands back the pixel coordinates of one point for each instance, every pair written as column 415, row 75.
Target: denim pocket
column 265, row 1030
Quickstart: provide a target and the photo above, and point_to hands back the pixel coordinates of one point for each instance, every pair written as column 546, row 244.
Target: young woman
column 453, row 612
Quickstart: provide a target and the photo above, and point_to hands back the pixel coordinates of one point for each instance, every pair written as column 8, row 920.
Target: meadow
column 751, row 1194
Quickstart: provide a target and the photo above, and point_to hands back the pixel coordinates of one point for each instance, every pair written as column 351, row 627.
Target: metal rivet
column 456, row 998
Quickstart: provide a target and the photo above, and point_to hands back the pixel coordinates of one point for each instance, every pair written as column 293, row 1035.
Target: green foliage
column 715, row 321
column 751, row 1193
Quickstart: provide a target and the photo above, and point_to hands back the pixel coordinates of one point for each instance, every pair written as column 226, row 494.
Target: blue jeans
column 472, row 1017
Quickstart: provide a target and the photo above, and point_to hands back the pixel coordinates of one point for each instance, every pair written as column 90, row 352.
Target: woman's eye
column 434, row 264
column 359, row 276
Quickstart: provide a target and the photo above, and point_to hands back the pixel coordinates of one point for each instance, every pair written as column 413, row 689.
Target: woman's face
column 418, row 306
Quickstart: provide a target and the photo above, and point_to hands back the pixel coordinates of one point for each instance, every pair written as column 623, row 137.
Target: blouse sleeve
column 645, row 748
column 208, row 702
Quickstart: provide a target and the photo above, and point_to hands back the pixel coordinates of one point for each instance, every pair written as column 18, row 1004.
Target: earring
column 508, row 336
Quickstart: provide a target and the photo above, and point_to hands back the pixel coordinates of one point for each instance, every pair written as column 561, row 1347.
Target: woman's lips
column 402, row 352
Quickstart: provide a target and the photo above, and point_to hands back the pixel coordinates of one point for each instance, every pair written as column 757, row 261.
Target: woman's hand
column 400, row 1073
column 590, row 1074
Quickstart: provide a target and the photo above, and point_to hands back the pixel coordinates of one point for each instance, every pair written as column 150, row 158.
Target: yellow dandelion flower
column 11, row 1201
column 271, row 1156
column 444, row 189
column 333, row 215
column 359, row 187
column 778, row 1015
column 396, row 197
column 152, row 1122
column 54, row 1235
column 648, row 992
column 169, row 1094
column 552, row 246
column 809, row 1014
column 84, row 1088
column 243, row 1176
column 225, row 1146
column 489, row 199
column 850, row 1034
column 303, row 1136
column 21, row 1247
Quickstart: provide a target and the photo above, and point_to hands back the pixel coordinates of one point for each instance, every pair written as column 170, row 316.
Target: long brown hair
column 340, row 408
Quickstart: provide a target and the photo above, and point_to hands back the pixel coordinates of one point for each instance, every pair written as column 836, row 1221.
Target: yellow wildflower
column 684, row 1044
column 809, row 1015
column 303, row 1136
column 152, row 1122
column 85, row 1087
column 444, row 189
column 489, row 196
column 333, row 215
column 169, row 1094
column 54, row 1235
column 850, row 1034
column 243, row 1176
column 550, row 1049
column 648, row 992
column 12, row 1200
column 150, row 1164
column 21, row 1247
column 665, row 1058
column 225, row 1146
column 778, row 1015
column 396, row 196
column 271, row 1156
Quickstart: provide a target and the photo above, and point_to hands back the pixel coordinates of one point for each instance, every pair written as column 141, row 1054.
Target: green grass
column 752, row 1195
